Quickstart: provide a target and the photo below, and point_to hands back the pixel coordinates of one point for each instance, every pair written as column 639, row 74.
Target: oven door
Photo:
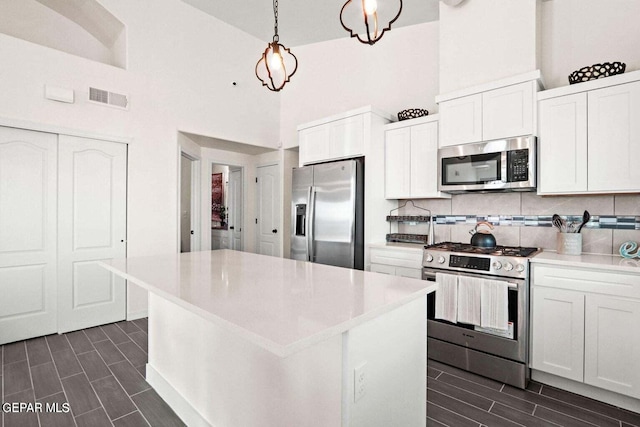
column 511, row 345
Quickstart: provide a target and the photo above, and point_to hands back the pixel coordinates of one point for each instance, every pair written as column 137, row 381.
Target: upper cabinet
column 337, row 137
column 501, row 109
column 588, row 138
column 411, row 159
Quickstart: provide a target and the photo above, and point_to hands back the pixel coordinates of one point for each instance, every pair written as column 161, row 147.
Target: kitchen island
column 240, row 339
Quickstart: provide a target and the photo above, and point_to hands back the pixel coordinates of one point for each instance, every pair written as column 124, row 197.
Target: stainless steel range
column 501, row 355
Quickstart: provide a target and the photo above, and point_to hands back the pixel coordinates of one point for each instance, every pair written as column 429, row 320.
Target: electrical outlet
column 359, row 382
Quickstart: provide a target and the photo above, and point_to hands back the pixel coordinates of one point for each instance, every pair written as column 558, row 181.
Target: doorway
column 189, row 203
column 227, row 207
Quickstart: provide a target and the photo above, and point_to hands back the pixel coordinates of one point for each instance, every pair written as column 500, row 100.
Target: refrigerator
column 327, row 224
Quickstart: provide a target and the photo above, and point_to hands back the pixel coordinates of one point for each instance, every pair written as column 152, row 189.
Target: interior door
column 269, row 207
column 235, row 209
column 92, row 227
column 28, row 167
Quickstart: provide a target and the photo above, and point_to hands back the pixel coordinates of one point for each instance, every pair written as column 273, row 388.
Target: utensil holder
column 569, row 243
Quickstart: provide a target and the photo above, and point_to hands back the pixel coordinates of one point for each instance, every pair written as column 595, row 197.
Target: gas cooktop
column 514, row 251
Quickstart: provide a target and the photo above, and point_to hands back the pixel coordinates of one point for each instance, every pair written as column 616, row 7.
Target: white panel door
column 313, row 144
column 424, row 160
column 269, row 208
column 235, row 209
column 557, row 326
column 28, row 167
column 562, row 144
column 92, row 227
column 612, row 350
column 461, row 120
column 508, row 111
column 614, row 138
column 346, row 138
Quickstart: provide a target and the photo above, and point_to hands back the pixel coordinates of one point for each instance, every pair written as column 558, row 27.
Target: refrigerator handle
column 311, row 212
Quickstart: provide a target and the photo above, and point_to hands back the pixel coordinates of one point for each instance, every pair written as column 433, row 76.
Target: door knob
column 191, row 231
column 275, row 230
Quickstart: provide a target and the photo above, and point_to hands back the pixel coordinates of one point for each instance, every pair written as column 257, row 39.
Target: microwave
column 500, row 165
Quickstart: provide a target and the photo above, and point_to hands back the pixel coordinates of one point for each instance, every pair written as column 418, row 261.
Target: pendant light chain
column 275, row 27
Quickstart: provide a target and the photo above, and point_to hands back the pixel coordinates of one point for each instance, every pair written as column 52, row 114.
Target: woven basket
column 597, row 71
column 412, row 113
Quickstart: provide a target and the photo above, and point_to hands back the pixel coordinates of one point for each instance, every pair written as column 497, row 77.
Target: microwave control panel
column 518, row 165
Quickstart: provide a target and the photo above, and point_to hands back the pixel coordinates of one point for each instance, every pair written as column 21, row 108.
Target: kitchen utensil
column 585, row 219
column 482, row 238
column 559, row 223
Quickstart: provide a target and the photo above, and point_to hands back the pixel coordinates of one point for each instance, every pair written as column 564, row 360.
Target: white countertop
column 600, row 261
column 279, row 304
column 413, row 247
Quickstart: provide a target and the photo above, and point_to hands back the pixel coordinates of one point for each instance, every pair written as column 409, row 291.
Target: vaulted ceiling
column 301, row 21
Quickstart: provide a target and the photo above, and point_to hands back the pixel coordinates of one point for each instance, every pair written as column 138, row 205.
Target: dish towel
column 447, row 297
column 494, row 304
column 469, row 291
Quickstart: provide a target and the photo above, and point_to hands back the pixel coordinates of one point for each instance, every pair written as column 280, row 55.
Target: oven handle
column 430, row 276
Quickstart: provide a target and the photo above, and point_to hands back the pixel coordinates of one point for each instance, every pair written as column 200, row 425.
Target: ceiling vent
column 111, row 99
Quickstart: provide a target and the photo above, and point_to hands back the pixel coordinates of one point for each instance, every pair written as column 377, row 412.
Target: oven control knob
column 428, row 257
column 508, row 266
column 520, row 268
column 441, row 259
column 497, row 265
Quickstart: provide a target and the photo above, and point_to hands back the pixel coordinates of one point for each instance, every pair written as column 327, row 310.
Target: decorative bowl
column 412, row 113
column 597, row 71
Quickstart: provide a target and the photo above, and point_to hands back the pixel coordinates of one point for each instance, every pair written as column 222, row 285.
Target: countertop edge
column 596, row 261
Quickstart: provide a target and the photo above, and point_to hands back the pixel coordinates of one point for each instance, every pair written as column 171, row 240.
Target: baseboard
column 137, row 315
column 587, row 390
column 180, row 406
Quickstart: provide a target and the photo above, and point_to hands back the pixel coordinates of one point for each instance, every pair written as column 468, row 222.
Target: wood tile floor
column 99, row 373
column 459, row 398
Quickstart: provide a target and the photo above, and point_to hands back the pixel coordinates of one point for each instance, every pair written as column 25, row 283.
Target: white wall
column 486, row 40
column 580, row 33
column 398, row 72
column 181, row 65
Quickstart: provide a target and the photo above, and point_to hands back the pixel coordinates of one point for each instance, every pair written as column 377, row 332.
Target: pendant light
column 277, row 64
column 367, row 20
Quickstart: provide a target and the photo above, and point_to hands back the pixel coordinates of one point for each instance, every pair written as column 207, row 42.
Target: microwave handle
column 504, row 158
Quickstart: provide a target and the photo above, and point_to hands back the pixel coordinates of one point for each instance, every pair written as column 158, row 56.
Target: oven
column 501, row 355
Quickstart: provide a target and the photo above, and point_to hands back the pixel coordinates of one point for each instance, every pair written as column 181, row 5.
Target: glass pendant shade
column 367, row 20
column 276, row 66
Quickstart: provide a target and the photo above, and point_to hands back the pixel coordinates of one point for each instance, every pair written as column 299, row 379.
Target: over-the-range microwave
column 500, row 165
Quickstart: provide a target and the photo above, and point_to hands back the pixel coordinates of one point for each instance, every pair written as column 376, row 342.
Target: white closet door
column 92, row 227
column 27, row 234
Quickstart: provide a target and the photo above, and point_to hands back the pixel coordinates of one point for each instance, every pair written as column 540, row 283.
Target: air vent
column 112, row 99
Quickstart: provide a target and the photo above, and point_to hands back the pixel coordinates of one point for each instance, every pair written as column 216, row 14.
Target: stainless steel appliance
column 501, row 165
column 501, row 355
column 328, row 213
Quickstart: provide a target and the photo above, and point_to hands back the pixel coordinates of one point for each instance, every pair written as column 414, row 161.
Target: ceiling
column 301, row 22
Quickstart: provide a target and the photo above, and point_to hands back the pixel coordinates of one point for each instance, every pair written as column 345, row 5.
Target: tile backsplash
column 524, row 219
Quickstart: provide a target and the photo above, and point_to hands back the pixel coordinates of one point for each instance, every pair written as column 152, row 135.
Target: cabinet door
column 424, row 160
column 508, row 111
column 461, row 120
column 92, row 207
column 397, row 170
column 557, row 339
column 614, row 138
column 314, row 144
column 346, row 137
column 612, row 350
column 562, row 144
column 28, row 234
column 414, row 273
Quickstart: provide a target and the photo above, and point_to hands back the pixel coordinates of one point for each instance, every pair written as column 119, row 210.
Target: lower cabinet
column 584, row 327
column 220, row 239
column 397, row 260
column 415, row 273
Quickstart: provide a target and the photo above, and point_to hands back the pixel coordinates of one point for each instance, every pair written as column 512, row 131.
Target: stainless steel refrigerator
column 328, row 213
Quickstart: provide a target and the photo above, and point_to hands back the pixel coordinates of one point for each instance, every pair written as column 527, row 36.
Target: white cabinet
column 461, row 120
column 562, row 146
column 502, row 109
column 411, row 160
column 397, row 260
column 338, row 139
column 582, row 324
column 590, row 140
column 220, row 239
